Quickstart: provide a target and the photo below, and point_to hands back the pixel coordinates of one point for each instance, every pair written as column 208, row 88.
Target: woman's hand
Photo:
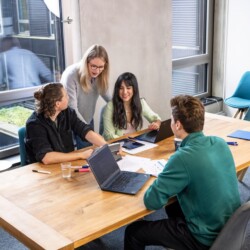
column 155, row 125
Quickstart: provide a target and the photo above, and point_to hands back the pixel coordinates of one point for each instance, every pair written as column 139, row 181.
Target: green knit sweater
column 202, row 175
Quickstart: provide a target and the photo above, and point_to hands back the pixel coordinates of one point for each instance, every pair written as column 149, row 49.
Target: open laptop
column 154, row 136
column 110, row 177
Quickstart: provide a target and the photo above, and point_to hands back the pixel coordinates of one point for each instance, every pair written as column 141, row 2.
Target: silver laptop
column 154, row 136
column 109, row 176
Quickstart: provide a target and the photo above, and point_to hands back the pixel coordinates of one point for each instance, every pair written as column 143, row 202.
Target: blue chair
column 241, row 97
column 247, row 115
column 22, row 149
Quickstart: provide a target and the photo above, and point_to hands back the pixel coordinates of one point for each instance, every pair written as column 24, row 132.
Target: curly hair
column 46, row 98
column 119, row 114
column 189, row 111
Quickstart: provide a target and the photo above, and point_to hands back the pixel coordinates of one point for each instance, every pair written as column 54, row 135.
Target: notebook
column 154, row 136
column 109, row 176
column 241, row 134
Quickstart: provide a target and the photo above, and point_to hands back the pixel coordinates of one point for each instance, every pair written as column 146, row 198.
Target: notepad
column 241, row 134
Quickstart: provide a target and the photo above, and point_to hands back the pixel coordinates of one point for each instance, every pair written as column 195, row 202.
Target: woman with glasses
column 84, row 82
column 123, row 115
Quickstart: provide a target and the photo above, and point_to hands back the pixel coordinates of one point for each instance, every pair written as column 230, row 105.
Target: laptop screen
column 103, row 164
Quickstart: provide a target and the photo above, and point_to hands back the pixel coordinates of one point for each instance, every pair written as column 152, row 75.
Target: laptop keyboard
column 121, row 181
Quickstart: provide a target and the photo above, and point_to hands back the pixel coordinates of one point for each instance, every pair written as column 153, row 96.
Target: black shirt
column 43, row 135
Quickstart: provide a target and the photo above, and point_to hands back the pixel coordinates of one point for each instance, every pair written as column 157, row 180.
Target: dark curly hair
column 119, row 115
column 46, row 98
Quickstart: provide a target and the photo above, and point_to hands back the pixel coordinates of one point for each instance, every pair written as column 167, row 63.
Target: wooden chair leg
column 236, row 114
column 241, row 174
column 241, row 113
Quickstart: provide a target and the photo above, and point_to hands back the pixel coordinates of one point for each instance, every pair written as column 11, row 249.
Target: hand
column 87, row 153
column 154, row 125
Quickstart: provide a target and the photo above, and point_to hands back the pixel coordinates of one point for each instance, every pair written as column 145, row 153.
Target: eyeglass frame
column 95, row 67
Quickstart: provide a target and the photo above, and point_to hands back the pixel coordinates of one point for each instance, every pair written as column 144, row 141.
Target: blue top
column 201, row 173
column 21, row 68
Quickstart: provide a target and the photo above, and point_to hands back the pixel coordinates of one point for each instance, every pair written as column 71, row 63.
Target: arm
column 56, row 157
column 70, row 81
column 106, row 97
column 150, row 115
column 170, row 182
column 95, row 138
column 110, row 132
column 44, row 73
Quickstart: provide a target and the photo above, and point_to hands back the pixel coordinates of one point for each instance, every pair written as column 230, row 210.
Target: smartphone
column 129, row 144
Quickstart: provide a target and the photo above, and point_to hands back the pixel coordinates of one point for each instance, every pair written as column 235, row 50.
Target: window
column 23, row 17
column 192, row 36
column 31, row 54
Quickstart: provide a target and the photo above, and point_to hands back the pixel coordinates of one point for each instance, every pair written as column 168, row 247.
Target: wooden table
column 49, row 212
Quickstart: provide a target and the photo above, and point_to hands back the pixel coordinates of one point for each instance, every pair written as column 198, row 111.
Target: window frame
column 201, row 59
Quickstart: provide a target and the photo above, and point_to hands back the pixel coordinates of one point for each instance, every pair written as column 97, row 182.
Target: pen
column 78, row 167
column 85, row 166
column 82, row 170
column 233, row 143
column 41, row 171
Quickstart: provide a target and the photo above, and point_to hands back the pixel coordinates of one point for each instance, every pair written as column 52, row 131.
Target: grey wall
column 137, row 36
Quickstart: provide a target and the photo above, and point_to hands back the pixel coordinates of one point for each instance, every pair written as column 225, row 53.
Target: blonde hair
column 95, row 51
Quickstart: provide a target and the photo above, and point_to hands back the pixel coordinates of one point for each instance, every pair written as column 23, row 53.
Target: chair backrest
column 247, row 115
column 243, row 88
column 232, row 236
column 101, row 126
column 22, row 149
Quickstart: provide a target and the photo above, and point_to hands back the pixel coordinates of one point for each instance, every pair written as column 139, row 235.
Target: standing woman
column 123, row 115
column 84, row 82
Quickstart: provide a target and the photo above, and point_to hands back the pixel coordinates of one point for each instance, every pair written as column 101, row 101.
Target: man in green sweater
column 201, row 174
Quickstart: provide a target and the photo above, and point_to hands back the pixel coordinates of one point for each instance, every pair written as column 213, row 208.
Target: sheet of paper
column 134, row 163
column 146, row 146
column 155, row 167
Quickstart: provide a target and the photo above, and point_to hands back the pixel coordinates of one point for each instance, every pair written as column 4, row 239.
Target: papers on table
column 134, row 163
column 146, row 146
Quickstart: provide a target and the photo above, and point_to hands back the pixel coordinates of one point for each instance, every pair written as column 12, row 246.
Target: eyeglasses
column 95, row 67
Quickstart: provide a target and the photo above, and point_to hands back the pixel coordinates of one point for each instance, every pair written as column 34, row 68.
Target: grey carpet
column 114, row 240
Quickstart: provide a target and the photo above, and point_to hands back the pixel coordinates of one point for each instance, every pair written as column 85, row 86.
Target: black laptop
column 110, row 177
column 154, row 136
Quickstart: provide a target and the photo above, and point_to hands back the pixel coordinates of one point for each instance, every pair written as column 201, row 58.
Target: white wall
column 238, row 46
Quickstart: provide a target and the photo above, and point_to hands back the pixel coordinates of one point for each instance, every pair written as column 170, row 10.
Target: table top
column 49, row 212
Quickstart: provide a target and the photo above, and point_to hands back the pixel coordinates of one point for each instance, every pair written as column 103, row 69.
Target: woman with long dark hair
column 124, row 113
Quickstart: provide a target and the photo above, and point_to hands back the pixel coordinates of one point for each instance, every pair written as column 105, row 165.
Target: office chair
column 247, row 115
column 101, row 126
column 232, row 235
column 241, row 97
column 22, row 149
